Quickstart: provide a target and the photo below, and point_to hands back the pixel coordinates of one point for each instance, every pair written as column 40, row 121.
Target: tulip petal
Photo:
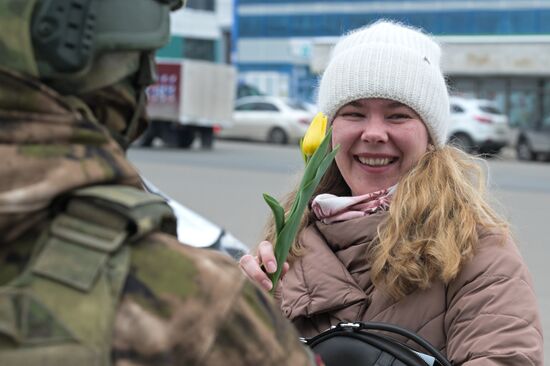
column 314, row 134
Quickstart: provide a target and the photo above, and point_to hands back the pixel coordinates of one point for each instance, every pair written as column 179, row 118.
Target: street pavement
column 226, row 184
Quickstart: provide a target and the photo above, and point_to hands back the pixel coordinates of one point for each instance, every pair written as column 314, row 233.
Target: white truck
column 191, row 98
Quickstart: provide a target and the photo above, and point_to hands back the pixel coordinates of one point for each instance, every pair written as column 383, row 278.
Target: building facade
column 201, row 31
column 493, row 49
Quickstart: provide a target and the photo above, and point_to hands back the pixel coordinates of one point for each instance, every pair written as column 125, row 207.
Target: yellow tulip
column 314, row 135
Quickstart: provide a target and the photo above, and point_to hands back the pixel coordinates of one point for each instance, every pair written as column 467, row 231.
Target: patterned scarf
column 329, row 208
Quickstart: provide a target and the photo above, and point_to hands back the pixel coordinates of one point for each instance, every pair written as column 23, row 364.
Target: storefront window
column 523, row 102
column 494, row 90
column 200, row 4
column 546, row 98
column 522, row 99
column 199, row 49
column 465, row 87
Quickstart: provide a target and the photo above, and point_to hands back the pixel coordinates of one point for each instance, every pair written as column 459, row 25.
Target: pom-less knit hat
column 391, row 61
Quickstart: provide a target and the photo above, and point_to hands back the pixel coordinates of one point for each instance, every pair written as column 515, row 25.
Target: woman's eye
column 398, row 116
column 351, row 115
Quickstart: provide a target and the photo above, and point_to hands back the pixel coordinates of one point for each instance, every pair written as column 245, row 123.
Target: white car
column 196, row 231
column 477, row 125
column 265, row 118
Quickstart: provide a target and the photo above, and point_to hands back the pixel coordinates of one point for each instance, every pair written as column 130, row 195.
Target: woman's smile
column 375, row 161
column 380, row 141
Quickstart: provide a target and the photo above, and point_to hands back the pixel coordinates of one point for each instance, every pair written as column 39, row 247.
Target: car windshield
column 245, row 90
column 296, row 105
column 489, row 108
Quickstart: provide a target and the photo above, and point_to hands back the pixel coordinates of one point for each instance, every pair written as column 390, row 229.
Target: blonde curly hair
column 433, row 221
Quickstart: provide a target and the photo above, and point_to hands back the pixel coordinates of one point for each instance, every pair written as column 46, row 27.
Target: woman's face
column 380, row 140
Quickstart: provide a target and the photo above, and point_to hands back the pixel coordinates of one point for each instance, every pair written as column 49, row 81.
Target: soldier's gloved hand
column 257, row 267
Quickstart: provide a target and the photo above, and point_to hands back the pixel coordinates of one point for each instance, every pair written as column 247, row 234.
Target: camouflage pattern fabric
column 48, row 147
column 114, row 106
column 16, row 50
column 185, row 306
column 179, row 305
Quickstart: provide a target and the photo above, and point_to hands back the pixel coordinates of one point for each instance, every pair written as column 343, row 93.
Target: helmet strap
column 145, row 76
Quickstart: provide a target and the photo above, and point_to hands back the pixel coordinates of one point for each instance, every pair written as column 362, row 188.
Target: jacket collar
column 328, row 276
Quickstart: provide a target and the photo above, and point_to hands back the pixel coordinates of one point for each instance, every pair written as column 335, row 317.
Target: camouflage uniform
column 179, row 305
column 134, row 296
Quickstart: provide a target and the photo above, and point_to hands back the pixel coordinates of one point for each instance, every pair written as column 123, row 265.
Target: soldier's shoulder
column 164, row 254
column 169, row 270
column 171, row 291
column 195, row 306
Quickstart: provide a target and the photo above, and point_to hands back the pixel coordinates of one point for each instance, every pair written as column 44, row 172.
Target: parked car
column 533, row 140
column 196, row 231
column 478, row 126
column 266, row 118
column 246, row 90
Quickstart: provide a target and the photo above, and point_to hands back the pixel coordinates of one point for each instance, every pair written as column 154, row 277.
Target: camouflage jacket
column 178, row 305
column 198, row 310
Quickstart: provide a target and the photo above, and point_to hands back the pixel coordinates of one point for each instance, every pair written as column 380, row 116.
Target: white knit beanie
column 391, row 61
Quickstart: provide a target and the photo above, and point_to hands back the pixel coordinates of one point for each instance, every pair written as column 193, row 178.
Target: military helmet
column 81, row 45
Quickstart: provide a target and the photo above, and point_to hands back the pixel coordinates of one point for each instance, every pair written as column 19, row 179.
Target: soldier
column 89, row 274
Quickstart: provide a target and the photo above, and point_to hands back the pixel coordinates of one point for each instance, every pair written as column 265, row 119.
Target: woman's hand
column 258, row 267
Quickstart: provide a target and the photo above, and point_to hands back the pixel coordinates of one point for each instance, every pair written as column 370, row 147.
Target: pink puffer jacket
column 488, row 315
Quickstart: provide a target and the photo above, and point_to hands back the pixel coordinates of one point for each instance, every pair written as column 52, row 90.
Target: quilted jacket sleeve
column 492, row 317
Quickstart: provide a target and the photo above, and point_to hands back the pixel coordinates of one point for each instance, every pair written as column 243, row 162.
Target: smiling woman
column 380, row 141
column 399, row 229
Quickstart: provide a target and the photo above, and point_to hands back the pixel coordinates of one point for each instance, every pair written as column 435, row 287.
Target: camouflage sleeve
column 187, row 306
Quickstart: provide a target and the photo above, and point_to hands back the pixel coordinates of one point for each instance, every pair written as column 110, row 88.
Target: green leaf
column 282, row 248
column 316, row 167
column 316, row 158
column 309, row 188
column 295, row 203
column 325, row 164
column 278, row 212
column 304, row 156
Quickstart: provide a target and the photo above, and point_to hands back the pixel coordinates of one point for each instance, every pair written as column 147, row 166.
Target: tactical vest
column 60, row 310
